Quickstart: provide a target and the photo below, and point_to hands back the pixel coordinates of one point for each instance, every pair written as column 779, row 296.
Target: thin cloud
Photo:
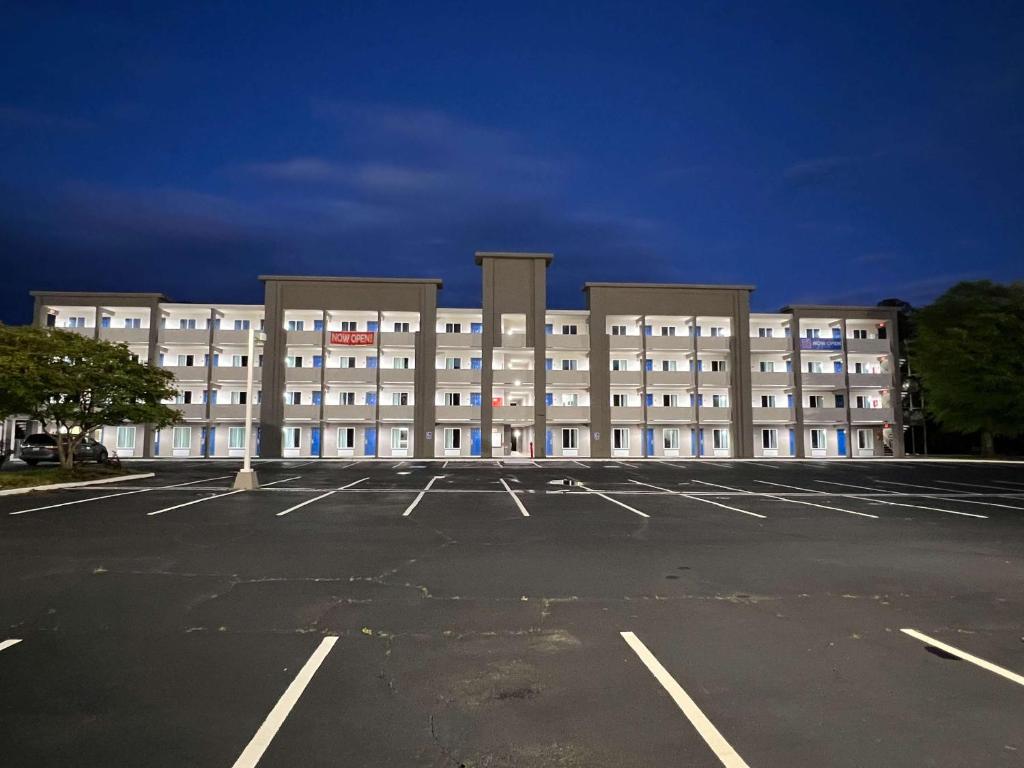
column 816, row 170
column 26, row 117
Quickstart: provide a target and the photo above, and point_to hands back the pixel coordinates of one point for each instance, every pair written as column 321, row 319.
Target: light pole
column 246, row 479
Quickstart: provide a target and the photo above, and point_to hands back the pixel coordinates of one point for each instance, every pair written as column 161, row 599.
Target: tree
column 73, row 384
column 969, row 352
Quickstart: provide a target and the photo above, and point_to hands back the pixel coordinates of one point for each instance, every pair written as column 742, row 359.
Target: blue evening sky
column 824, row 152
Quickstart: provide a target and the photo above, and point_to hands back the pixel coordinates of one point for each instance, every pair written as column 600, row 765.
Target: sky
column 824, row 152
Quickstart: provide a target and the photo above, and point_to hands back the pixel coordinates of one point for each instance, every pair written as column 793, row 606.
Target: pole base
column 246, row 480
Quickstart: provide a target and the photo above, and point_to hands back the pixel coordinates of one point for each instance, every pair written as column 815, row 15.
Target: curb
column 56, row 486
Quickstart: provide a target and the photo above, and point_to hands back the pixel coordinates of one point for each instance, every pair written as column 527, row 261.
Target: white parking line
column 877, row 500
column 354, row 483
column 792, row 487
column 420, row 495
column 115, row 495
column 304, row 503
column 613, row 501
column 1008, row 482
column 5, row 644
column 698, row 498
column 254, row 750
column 514, row 497
column 726, row 487
column 982, row 487
column 676, row 465
column 711, row 735
column 1002, row 672
column 216, row 496
column 958, row 499
column 811, row 503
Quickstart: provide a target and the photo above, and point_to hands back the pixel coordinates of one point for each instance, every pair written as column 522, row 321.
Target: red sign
column 353, row 338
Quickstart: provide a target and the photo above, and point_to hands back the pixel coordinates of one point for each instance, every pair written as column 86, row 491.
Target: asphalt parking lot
column 512, row 614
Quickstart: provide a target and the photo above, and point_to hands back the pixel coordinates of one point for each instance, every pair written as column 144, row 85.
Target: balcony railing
column 303, row 375
column 558, row 341
column 670, row 378
column 631, row 414
column 869, row 346
column 457, row 412
column 871, row 415
column 579, row 414
column 458, row 376
column 824, row 415
column 349, row 412
column 661, row 414
column 575, row 378
column 771, row 379
column 710, row 414
column 349, row 375
column 763, row 415
column 668, row 343
column 874, row 380
column 773, row 344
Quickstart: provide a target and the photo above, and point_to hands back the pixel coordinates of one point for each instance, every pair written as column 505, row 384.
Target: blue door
column 650, row 442
column 549, row 398
column 789, row 401
column 371, row 398
column 650, row 400
column 156, row 449
column 841, row 439
column 370, row 442
column 548, row 449
column 371, row 361
column 213, row 437
column 371, row 325
column 476, row 363
column 693, row 442
column 792, row 441
column 202, row 442
column 315, row 447
column 259, row 433
column 474, row 398
column 476, row 327
column 837, row 366
column 701, row 442
column 837, row 333
column 474, row 441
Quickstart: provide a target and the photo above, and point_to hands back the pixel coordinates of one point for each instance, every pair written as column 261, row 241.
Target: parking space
column 598, row 613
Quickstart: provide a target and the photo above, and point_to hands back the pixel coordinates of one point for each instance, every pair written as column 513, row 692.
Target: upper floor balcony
column 190, row 411
column 709, row 414
column 229, row 336
column 871, row 415
column 771, row 379
column 457, row 376
column 361, row 413
column 668, row 343
column 628, row 414
column 873, row 380
column 187, row 372
column 670, row 378
column 714, row 343
column 714, row 379
column 764, row 415
column 304, row 338
column 306, row 375
column 512, row 414
column 124, row 335
column 307, row 412
column 457, row 412
column 235, row 374
column 396, row 413
column 625, row 343
column 579, row 414
column 397, row 375
column 347, row 375
column 871, row 346
column 824, row 415
column 661, row 414
column 391, row 339
column 185, row 336
column 459, row 340
column 829, row 380
column 626, row 378
column 770, row 344
column 567, row 341
column 575, row 378
column 233, row 411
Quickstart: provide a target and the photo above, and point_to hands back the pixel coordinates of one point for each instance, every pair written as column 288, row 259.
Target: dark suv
column 43, row 447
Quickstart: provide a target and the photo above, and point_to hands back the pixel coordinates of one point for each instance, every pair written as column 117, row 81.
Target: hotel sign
column 822, row 345
column 354, row 338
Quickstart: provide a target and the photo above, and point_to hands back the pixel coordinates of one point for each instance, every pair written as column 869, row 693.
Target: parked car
column 43, row 447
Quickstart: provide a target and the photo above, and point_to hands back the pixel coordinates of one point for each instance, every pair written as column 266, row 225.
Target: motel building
column 372, row 367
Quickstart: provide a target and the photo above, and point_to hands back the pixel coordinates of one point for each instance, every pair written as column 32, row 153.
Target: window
column 860, row 333
column 346, row 437
column 292, row 437
column 840, row 400
column 182, row 438
column 818, row 440
column 764, row 333
column 133, row 322
column 242, row 325
column 618, row 330
column 350, row 325
column 668, row 330
column 184, row 397
column 670, row 439
column 401, row 327
column 767, row 366
column 770, row 438
column 669, row 365
column 346, row 362
column 717, row 330
column 767, row 401
column 865, row 439
column 187, row 324
column 453, row 398
column 620, row 401
column 570, row 399
column 400, row 362
column 814, row 366
column 453, row 363
column 813, row 333
column 399, row 438
column 570, row 330
column 236, row 437
column 719, row 401
column 186, row 361
column 570, row 438
column 569, row 364
column 720, row 438
column 293, row 361
column 620, row 365
column 238, row 397
column 399, row 398
column 76, row 322
column 296, row 325
column 126, row 438
column 452, row 438
column 239, row 361
column 620, row 438
column 293, row 398
column 453, row 327
column 815, row 401
column 670, row 401
column 346, row 398
column 718, row 366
